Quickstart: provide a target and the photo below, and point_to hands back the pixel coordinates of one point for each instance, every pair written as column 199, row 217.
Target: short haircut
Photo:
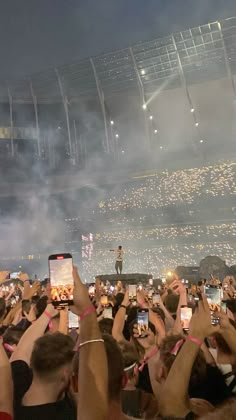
column 50, row 353
column 2, row 307
column 106, row 325
column 119, row 247
column 130, row 356
column 12, row 335
column 115, row 367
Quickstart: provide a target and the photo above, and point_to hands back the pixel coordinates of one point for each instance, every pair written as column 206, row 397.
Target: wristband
column 87, row 311
column 194, row 340
column 96, row 340
column 123, row 306
column 148, row 357
column 48, row 315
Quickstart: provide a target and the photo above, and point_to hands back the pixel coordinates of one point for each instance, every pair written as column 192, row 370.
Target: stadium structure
column 171, row 101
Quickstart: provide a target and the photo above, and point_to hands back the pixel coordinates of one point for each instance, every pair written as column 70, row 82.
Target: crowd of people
column 170, row 188
column 158, row 259
column 131, row 355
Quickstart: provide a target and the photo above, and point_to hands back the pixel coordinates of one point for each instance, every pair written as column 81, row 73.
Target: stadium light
column 117, row 136
column 142, row 72
column 151, row 117
column 192, row 110
column 112, row 122
column 161, row 147
column 201, row 141
column 122, row 152
column 196, row 124
column 155, row 131
column 144, row 107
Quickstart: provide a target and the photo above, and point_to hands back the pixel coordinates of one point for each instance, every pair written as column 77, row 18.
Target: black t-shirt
column 22, row 379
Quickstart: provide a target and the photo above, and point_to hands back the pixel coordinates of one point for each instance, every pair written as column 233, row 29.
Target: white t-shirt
column 119, row 255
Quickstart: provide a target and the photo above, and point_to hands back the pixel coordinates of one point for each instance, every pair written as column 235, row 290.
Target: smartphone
column 61, row 279
column 150, row 282
column 142, row 322
column 213, row 295
column 73, row 320
column 14, row 276
column 185, row 317
column 224, row 307
column 107, row 313
column 132, row 292
column 104, row 300
column 156, row 298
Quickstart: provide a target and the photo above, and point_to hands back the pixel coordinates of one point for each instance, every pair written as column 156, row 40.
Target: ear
column 124, row 380
column 74, row 384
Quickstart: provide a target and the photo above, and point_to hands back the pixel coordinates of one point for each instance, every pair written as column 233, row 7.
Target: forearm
column 6, row 394
column 158, row 324
column 24, row 348
column 10, row 316
column 118, row 325
column 229, row 335
column 173, row 398
column 63, row 323
column 26, row 290
column 93, row 375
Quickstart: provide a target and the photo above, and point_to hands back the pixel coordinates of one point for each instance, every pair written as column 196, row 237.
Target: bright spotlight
column 201, row 141
column 151, row 117
column 197, row 124
column 192, row 110
column 144, row 107
column 169, row 274
column 161, row 147
column 117, row 136
column 112, row 122
column 122, row 152
column 155, row 131
column 142, row 72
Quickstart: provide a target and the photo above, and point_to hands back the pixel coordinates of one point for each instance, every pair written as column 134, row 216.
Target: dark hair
column 119, row 247
column 41, row 306
column 51, row 352
column 106, row 325
column 12, row 336
column 171, row 303
column 2, row 307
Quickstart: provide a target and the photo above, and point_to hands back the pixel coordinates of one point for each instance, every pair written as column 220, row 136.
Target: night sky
column 37, row 34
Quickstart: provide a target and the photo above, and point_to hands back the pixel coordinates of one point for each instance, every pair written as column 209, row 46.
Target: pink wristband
column 194, row 340
column 48, row 315
column 87, row 311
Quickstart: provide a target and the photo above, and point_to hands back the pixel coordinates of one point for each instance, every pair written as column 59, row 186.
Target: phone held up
column 142, row 322
column 61, row 279
column 214, row 295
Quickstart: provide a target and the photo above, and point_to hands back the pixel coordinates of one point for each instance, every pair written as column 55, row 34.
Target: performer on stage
column 119, row 259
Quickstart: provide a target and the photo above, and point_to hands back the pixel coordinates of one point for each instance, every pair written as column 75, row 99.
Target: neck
column 41, row 393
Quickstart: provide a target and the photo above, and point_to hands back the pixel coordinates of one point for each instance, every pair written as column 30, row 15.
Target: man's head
column 51, row 359
column 2, row 308
column 171, row 303
column 106, row 325
column 116, row 375
column 120, row 247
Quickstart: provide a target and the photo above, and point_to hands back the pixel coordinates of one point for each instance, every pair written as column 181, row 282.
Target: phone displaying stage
column 107, row 313
column 14, row 276
column 185, row 317
column 156, row 298
column 132, row 292
column 142, row 321
column 61, row 279
column 73, row 320
column 104, row 300
column 213, row 295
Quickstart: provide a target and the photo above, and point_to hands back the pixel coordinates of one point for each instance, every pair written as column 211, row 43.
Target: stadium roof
column 207, row 52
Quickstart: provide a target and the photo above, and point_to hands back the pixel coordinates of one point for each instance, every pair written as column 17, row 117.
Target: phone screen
column 61, row 279
column 156, row 298
column 104, row 300
column 14, row 276
column 213, row 295
column 185, row 317
column 107, row 313
column 73, row 320
column 142, row 321
column 91, row 290
column 132, row 292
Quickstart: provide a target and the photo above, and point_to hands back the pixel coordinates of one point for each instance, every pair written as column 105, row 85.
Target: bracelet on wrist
column 96, row 340
column 48, row 315
column 123, row 306
column 87, row 311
